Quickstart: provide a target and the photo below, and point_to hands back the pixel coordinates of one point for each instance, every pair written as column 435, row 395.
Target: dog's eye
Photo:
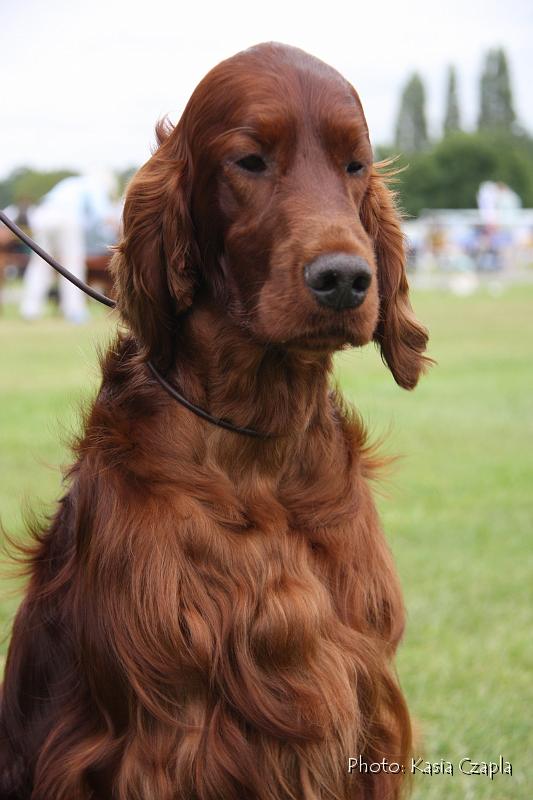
column 354, row 167
column 252, row 163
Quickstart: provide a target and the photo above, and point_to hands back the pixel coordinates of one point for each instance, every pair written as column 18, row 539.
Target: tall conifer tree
column 496, row 111
column 411, row 126
column 452, row 119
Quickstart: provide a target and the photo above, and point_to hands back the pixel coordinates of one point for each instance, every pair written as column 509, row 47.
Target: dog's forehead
column 285, row 60
column 290, row 75
column 272, row 81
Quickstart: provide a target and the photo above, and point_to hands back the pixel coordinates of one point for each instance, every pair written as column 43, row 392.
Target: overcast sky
column 83, row 83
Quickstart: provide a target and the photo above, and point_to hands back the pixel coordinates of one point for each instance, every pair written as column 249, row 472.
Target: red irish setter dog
column 212, row 616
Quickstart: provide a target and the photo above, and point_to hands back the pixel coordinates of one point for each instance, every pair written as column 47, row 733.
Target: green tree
column 29, row 185
column 449, row 175
column 496, row 111
column 5, row 193
column 452, row 120
column 411, row 126
column 123, row 177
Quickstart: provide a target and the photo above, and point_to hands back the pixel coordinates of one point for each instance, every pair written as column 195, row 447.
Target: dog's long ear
column 153, row 265
column 400, row 336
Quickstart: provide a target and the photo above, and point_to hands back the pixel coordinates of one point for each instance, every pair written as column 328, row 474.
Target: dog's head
column 264, row 199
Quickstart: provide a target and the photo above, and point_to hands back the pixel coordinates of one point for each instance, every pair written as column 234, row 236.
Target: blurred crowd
column 497, row 237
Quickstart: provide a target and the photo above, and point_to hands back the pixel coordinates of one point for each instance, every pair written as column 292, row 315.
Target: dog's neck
column 277, row 391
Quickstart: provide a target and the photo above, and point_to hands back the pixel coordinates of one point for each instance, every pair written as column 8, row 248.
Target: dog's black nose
column 338, row 280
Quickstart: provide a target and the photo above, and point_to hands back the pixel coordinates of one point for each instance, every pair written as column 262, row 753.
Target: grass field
column 457, row 508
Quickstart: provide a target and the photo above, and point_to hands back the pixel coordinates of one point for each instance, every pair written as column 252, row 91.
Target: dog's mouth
column 323, row 341
column 327, row 340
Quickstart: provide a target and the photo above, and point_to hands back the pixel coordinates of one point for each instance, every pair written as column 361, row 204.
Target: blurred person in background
column 76, row 213
column 487, row 202
column 507, row 202
column 498, row 205
column 14, row 254
column 12, row 250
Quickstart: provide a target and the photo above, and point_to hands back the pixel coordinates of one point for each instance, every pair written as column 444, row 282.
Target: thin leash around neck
column 107, row 301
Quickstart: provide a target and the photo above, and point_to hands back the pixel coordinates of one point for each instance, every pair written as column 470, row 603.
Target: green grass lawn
column 457, row 508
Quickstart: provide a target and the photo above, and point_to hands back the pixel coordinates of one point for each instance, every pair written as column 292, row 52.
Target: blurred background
column 448, row 91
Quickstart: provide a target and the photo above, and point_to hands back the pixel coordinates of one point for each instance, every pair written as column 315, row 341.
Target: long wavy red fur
column 210, row 616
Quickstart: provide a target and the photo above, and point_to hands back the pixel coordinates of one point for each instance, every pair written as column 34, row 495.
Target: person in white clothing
column 487, row 202
column 62, row 223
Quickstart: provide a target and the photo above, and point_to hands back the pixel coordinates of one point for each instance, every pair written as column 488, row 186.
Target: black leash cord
column 222, row 423
column 55, row 264
column 171, row 390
